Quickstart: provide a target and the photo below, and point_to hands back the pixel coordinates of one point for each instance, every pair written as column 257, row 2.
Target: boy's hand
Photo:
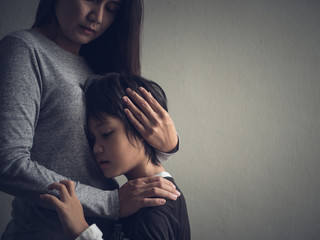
column 153, row 122
column 141, row 192
column 68, row 207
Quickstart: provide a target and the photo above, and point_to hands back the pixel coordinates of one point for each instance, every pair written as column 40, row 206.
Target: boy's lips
column 103, row 163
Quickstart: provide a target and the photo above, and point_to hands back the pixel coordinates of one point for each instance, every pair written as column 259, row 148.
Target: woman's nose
column 96, row 14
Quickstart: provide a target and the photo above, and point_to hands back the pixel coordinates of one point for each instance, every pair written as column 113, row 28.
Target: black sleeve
column 152, row 224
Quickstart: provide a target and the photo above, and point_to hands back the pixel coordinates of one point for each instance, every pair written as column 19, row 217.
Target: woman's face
column 81, row 21
column 114, row 152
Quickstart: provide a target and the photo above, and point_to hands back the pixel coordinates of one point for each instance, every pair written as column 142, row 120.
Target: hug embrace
column 75, row 113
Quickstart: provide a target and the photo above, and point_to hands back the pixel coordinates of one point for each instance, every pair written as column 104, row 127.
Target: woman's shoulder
column 19, row 33
column 27, row 37
column 17, row 46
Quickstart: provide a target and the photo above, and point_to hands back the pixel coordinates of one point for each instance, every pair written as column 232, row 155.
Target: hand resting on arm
column 152, row 121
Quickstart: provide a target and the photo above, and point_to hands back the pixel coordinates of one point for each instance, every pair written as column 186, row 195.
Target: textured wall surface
column 243, row 83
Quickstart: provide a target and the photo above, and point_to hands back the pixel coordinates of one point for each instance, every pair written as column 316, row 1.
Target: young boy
column 119, row 149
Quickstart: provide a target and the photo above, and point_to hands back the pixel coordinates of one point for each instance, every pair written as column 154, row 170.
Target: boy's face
column 115, row 154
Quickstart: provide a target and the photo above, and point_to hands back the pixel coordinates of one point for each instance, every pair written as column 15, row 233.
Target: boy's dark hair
column 104, row 95
column 118, row 49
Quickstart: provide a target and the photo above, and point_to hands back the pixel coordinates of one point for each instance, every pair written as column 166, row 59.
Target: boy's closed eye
column 107, row 134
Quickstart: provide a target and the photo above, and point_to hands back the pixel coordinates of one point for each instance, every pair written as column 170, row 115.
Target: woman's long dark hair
column 118, row 49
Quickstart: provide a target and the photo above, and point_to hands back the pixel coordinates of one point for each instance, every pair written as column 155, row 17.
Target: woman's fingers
column 145, row 192
column 156, row 107
column 153, row 122
column 158, row 192
column 135, row 122
column 136, row 112
column 159, row 182
column 149, row 106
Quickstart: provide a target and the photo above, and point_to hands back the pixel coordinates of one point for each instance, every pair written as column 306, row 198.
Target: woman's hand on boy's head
column 153, row 122
column 68, row 207
column 145, row 192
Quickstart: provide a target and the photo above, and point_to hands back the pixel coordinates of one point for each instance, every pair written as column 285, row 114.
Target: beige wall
column 242, row 79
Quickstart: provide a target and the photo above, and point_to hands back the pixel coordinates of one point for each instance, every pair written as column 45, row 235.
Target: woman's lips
column 88, row 30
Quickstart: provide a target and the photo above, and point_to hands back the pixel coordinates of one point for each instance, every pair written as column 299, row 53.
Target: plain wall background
column 243, row 83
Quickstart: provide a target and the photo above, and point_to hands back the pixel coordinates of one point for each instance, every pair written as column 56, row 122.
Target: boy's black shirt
column 169, row 221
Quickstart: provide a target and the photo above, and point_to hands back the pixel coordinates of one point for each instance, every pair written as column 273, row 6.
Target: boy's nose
column 97, row 149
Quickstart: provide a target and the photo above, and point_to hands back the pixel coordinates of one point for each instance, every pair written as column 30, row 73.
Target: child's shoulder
column 149, row 223
column 162, row 222
column 170, row 212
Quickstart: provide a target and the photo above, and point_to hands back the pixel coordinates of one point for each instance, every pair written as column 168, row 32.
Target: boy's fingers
column 51, row 199
column 63, row 191
column 70, row 187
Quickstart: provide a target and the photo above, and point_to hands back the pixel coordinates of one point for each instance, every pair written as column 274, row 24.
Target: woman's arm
column 150, row 223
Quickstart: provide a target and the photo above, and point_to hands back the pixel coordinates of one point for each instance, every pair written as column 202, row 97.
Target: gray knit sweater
column 42, row 135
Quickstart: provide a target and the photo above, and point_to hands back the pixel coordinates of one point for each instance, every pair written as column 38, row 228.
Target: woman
column 42, row 127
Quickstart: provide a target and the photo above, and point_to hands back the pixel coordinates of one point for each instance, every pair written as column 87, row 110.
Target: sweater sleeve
column 20, row 105
column 163, row 156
